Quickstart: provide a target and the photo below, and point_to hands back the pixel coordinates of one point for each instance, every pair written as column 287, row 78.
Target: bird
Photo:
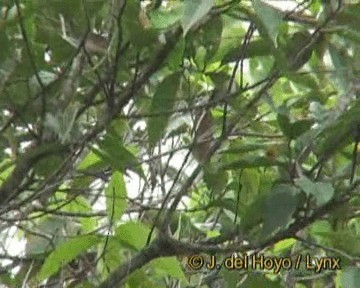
column 96, row 44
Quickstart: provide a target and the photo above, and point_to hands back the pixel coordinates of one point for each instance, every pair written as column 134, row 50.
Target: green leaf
column 320, row 230
column 161, row 19
column 175, row 57
column 36, row 244
column 224, row 203
column 293, row 47
column 132, row 234
column 65, row 253
column 306, row 80
column 91, row 160
column 323, row 192
column 115, row 195
column 342, row 70
column 350, row 277
column 134, row 31
column 250, row 179
column 81, row 205
column 200, row 58
column 284, row 123
column 231, row 40
column 117, row 156
column 246, row 146
column 351, row 35
column 5, row 46
column 252, row 162
column 253, row 214
column 19, row 92
column 113, row 258
column 194, row 11
column 231, row 279
column 283, row 245
column 257, row 280
column 338, row 133
column 163, row 100
column 48, row 165
column 299, row 127
column 6, row 168
column 346, row 240
column 210, row 37
column 256, row 48
column 270, row 17
column 170, row 266
column 215, row 180
column 279, row 208
column 349, row 16
column 292, row 130
column 249, row 186
column 140, row 279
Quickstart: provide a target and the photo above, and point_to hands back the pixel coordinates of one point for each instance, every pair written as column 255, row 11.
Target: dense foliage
column 139, row 139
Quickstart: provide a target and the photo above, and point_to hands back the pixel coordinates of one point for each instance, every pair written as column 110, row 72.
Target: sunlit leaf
column 82, row 205
column 250, row 179
column 89, row 161
column 284, row 245
column 115, row 195
column 113, row 256
column 65, row 253
column 132, row 234
column 169, row 266
column 6, row 167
